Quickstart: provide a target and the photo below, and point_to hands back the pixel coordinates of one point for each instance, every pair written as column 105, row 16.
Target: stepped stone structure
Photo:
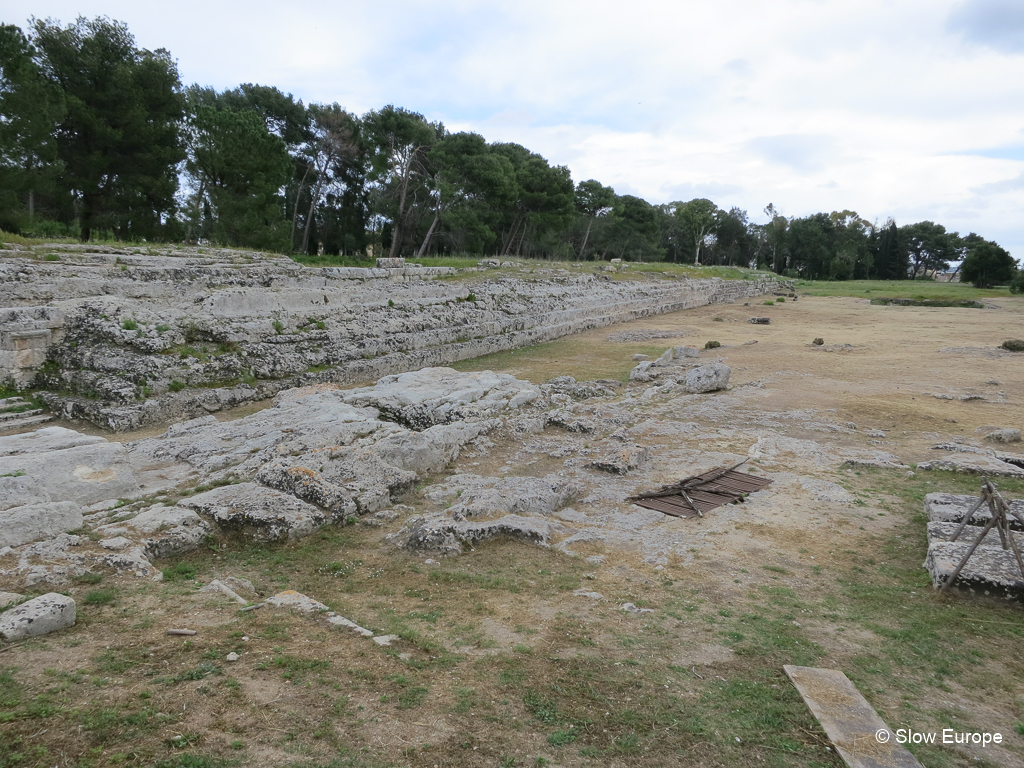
column 128, row 338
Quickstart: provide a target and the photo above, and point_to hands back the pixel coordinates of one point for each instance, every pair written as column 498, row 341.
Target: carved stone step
column 19, row 414
column 16, row 424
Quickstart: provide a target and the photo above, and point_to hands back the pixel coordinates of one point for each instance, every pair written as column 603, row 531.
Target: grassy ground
column 585, row 686
column 908, row 289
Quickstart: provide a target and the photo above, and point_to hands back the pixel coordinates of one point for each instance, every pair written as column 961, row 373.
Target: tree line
column 99, row 138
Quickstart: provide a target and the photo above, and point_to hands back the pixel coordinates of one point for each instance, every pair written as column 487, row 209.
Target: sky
column 912, row 109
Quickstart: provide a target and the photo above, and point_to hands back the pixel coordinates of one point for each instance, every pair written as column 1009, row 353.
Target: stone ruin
column 132, row 337
column 991, row 570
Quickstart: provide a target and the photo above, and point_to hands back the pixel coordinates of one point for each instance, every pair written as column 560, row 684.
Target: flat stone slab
column 990, row 571
column 974, row 464
column 945, row 532
column 850, row 722
column 952, row 507
column 39, row 616
column 30, row 522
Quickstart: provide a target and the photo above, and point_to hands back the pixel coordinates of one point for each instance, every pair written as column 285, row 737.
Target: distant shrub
column 769, row 303
column 780, row 300
column 176, row 386
column 1013, row 345
column 818, row 341
column 712, row 345
column 1017, row 284
column 278, row 327
column 130, row 325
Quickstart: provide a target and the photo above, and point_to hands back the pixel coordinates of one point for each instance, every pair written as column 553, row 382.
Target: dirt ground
column 514, row 655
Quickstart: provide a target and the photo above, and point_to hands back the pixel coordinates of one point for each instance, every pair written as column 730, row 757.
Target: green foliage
column 712, row 344
column 1013, row 345
column 130, row 325
column 1017, row 284
column 965, row 303
column 987, row 264
column 237, row 166
column 176, row 385
column 31, row 106
column 179, row 572
column 118, row 142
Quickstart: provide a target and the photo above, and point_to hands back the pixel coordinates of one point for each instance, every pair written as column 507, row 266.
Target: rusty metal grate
column 696, row 495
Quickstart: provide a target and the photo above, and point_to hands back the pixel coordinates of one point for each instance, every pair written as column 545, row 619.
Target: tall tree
column 987, row 265
column 237, row 168
column 697, row 220
column 775, row 238
column 332, row 144
column 466, row 175
column 929, row 247
column 398, row 141
column 30, row 107
column 542, row 201
column 593, row 200
column 811, row 245
column 118, row 141
column 889, row 255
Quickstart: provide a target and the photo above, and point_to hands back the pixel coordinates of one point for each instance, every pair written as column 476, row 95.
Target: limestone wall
column 132, row 340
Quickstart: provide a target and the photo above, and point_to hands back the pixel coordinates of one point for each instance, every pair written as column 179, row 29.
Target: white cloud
column 887, row 107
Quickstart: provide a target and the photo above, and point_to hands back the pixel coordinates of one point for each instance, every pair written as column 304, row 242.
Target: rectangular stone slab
column 951, row 508
column 848, row 719
column 991, row 570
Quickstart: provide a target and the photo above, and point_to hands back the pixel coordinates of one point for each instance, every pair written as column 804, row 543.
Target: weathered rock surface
column 57, row 464
column 257, row 513
column 481, row 496
column 39, row 616
column 623, row 459
column 974, row 464
column 953, row 507
column 991, row 570
column 444, row 535
column 29, row 522
column 47, row 476
column 707, row 378
column 424, row 398
column 1004, row 435
column 154, row 338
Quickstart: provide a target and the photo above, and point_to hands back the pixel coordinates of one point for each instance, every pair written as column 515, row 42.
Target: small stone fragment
column 631, row 608
column 232, row 657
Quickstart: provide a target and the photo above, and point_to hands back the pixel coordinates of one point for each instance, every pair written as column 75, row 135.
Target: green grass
column 958, row 303
column 100, row 597
column 906, row 289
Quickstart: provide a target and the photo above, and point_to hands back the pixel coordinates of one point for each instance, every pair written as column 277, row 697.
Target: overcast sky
column 905, row 108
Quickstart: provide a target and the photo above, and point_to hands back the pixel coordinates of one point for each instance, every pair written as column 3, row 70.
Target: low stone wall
column 26, row 335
